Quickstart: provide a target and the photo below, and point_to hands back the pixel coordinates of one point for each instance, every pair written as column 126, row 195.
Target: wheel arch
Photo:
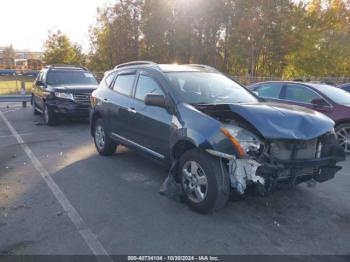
column 342, row 121
column 95, row 116
column 181, row 146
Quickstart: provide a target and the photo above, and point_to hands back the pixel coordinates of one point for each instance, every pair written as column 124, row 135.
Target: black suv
column 62, row 90
column 212, row 133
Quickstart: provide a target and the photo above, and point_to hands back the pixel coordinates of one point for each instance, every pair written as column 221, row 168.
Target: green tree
column 58, row 49
column 251, row 37
column 116, row 36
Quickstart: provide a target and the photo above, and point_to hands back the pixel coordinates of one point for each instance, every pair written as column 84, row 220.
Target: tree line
column 282, row 38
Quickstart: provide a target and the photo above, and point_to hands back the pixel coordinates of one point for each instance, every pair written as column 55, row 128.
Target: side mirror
column 39, row 83
column 319, row 102
column 155, row 100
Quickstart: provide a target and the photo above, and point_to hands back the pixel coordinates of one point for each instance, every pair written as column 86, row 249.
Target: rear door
column 302, row 96
column 270, row 91
column 118, row 102
column 150, row 125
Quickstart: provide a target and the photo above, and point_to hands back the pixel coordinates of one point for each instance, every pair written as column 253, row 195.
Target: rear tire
column 50, row 117
column 104, row 144
column 204, row 180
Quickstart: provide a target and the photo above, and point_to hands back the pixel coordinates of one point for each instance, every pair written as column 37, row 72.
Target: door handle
column 132, row 110
column 105, row 100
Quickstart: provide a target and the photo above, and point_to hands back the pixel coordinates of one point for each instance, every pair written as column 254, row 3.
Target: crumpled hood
column 75, row 88
column 280, row 121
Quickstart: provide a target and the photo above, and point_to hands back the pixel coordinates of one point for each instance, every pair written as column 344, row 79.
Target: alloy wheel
column 195, row 182
column 100, row 137
column 343, row 136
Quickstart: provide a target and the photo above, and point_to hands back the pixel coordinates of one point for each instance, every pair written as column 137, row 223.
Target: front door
column 150, row 125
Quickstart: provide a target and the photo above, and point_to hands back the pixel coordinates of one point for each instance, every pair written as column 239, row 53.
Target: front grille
column 82, row 98
column 283, row 149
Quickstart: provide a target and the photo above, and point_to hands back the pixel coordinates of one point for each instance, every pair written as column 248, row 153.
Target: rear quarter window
column 109, row 79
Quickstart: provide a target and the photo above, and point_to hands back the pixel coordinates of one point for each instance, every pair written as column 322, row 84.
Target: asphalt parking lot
column 119, row 202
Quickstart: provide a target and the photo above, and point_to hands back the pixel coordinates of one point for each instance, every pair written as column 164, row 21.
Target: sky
column 25, row 23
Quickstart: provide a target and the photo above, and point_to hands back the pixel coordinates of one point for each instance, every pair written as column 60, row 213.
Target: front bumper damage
column 266, row 171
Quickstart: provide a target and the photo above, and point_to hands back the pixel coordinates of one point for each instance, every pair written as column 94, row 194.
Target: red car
column 329, row 100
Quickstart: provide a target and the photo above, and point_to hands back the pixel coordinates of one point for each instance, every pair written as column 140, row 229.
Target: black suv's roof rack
column 66, row 66
column 135, row 63
column 203, row 66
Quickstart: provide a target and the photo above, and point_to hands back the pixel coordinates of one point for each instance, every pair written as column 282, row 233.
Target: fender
column 202, row 131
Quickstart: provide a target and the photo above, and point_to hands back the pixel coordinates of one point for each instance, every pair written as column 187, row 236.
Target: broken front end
column 267, row 163
column 271, row 162
column 275, row 144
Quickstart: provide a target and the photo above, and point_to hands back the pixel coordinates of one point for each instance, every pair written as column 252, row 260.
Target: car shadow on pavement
column 118, row 197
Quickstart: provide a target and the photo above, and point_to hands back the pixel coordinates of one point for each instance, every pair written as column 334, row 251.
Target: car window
column 338, row 95
column 123, row 84
column 208, row 88
column 147, row 85
column 270, row 90
column 300, row 94
column 109, row 79
column 70, row 77
column 40, row 76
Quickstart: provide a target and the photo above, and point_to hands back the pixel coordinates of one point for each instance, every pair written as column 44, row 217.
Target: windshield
column 336, row 94
column 208, row 88
column 70, row 78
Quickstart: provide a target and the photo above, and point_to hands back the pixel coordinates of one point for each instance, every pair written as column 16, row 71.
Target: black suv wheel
column 35, row 110
column 104, row 145
column 204, row 180
column 49, row 116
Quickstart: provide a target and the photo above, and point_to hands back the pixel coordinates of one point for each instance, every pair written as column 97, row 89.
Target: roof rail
column 65, row 65
column 134, row 63
column 203, row 66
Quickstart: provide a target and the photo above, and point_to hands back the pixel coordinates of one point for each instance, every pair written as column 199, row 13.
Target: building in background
column 20, row 62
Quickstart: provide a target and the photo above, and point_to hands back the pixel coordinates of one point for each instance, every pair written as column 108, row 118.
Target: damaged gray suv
column 214, row 135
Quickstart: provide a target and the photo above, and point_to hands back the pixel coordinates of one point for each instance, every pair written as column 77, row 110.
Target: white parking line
column 85, row 232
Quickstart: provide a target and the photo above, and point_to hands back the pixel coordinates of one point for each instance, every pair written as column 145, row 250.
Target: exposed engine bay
column 266, row 162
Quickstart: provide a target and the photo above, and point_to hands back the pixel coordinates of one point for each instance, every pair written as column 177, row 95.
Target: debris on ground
column 277, row 224
column 39, row 124
column 170, row 187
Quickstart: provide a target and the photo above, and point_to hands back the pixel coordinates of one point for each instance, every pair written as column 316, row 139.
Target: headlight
column 242, row 139
column 64, row 95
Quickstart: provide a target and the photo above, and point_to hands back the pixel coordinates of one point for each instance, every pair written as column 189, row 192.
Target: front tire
column 343, row 136
column 50, row 117
column 204, row 181
column 103, row 143
column 35, row 110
